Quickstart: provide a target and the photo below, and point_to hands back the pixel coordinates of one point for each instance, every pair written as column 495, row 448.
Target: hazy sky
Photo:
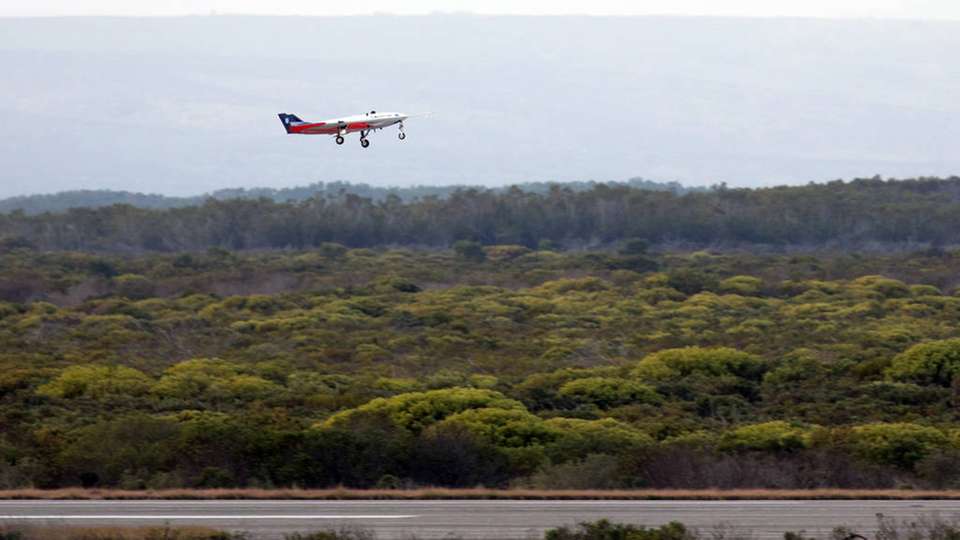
column 920, row 9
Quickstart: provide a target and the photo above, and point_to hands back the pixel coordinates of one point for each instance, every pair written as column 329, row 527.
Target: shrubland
column 499, row 366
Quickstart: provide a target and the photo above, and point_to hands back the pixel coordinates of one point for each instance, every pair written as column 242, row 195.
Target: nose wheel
column 401, row 135
column 339, row 139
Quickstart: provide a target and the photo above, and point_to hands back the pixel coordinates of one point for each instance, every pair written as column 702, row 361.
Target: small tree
column 469, row 250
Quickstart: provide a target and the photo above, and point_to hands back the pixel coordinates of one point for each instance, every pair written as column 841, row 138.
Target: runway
column 490, row 520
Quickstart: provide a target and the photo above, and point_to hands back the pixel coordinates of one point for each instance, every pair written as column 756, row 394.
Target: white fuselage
column 374, row 120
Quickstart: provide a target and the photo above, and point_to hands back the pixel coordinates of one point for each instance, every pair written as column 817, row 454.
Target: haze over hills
column 188, row 105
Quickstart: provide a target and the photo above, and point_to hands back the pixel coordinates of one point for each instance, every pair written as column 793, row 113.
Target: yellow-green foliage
column 346, row 367
column 744, row 285
column 245, row 388
column 192, row 378
column 97, row 382
column 133, row 286
column 674, row 363
column 890, row 288
column 937, row 362
column 417, row 410
column 511, row 428
column 579, row 438
column 777, row 436
column 607, row 392
column 590, row 284
column 901, row 444
column 505, row 252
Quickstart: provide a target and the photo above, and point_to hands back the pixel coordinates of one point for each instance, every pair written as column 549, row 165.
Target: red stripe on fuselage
column 322, row 128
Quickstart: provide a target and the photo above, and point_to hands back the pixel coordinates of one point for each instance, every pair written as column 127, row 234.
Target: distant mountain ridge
column 65, row 200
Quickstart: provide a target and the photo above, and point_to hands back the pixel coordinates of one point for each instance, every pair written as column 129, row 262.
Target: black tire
column 402, row 136
column 339, row 139
column 364, row 142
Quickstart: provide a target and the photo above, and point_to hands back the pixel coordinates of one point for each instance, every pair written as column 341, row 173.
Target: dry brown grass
column 114, row 533
column 474, row 493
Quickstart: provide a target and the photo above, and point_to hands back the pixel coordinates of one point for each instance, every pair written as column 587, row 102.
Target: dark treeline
column 65, row 200
column 838, row 214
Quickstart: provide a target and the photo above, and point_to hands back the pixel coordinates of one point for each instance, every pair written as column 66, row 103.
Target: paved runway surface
column 492, row 520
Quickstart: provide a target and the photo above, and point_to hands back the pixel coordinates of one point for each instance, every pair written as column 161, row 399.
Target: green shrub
column 936, row 362
column 675, row 363
column 777, row 436
column 899, row 444
column 608, row 392
column 605, row 530
column 97, row 382
column 417, row 410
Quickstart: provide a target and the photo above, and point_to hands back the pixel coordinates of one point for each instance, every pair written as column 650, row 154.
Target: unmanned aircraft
column 363, row 123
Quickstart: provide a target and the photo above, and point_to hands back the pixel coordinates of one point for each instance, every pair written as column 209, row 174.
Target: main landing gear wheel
column 402, row 136
column 339, row 139
column 364, row 142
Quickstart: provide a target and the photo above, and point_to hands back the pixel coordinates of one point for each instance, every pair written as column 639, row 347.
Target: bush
column 937, row 362
column 451, row 454
column 97, row 382
column 689, row 281
column 105, row 452
column 941, row 468
column 133, row 286
column 605, row 530
column 608, row 392
column 675, row 363
column 775, row 436
column 596, row 471
column 579, row 438
column 469, row 250
column 900, row 444
column 417, row 410
column 340, row 534
column 742, row 285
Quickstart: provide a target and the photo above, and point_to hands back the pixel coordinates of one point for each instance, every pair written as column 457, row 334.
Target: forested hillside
column 867, row 213
column 58, row 202
column 495, row 365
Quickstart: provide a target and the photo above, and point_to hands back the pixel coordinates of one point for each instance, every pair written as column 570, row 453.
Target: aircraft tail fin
column 288, row 120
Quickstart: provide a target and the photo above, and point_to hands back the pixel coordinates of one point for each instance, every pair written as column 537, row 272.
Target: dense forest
column 58, row 202
column 493, row 365
column 863, row 214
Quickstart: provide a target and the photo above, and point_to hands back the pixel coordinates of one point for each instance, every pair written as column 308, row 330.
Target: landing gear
column 364, row 142
column 401, row 135
column 339, row 139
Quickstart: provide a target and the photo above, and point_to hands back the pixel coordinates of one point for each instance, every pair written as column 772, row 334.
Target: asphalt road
column 491, row 520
